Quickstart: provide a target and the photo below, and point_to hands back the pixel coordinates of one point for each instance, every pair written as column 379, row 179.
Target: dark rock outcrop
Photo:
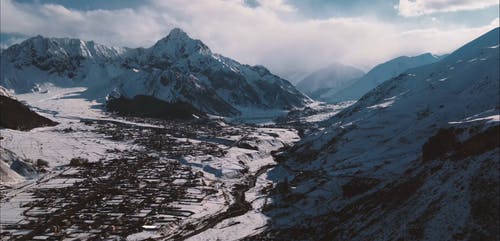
column 15, row 115
column 148, row 106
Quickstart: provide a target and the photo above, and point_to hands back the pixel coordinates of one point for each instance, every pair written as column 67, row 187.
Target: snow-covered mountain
column 333, row 78
column 376, row 76
column 416, row 158
column 177, row 68
column 61, row 61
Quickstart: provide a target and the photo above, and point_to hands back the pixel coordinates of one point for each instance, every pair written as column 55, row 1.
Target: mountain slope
column 332, row 77
column 378, row 75
column 17, row 116
column 414, row 159
column 175, row 69
column 62, row 61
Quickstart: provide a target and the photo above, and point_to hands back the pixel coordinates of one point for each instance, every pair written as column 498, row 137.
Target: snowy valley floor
column 202, row 180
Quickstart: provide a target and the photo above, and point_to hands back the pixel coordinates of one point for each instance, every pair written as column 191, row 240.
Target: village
column 150, row 191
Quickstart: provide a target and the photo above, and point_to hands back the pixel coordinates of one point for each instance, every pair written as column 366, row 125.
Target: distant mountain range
column 176, row 69
column 335, row 76
column 416, row 158
column 355, row 85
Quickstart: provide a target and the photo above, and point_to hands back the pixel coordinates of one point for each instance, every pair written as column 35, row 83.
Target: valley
column 114, row 177
column 176, row 142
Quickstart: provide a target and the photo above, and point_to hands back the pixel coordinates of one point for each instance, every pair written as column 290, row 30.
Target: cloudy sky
column 288, row 36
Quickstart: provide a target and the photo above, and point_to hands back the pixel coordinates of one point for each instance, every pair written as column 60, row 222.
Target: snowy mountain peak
column 177, row 33
column 177, row 44
column 40, row 48
column 176, row 68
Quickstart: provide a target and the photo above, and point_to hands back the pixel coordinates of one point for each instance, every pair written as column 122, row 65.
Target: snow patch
column 381, row 105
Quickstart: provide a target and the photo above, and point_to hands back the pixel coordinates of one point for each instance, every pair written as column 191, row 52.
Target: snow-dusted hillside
column 376, row 76
column 176, row 68
column 417, row 158
column 334, row 77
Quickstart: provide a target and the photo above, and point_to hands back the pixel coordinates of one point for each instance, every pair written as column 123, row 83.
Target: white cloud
column 411, row 8
column 270, row 34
